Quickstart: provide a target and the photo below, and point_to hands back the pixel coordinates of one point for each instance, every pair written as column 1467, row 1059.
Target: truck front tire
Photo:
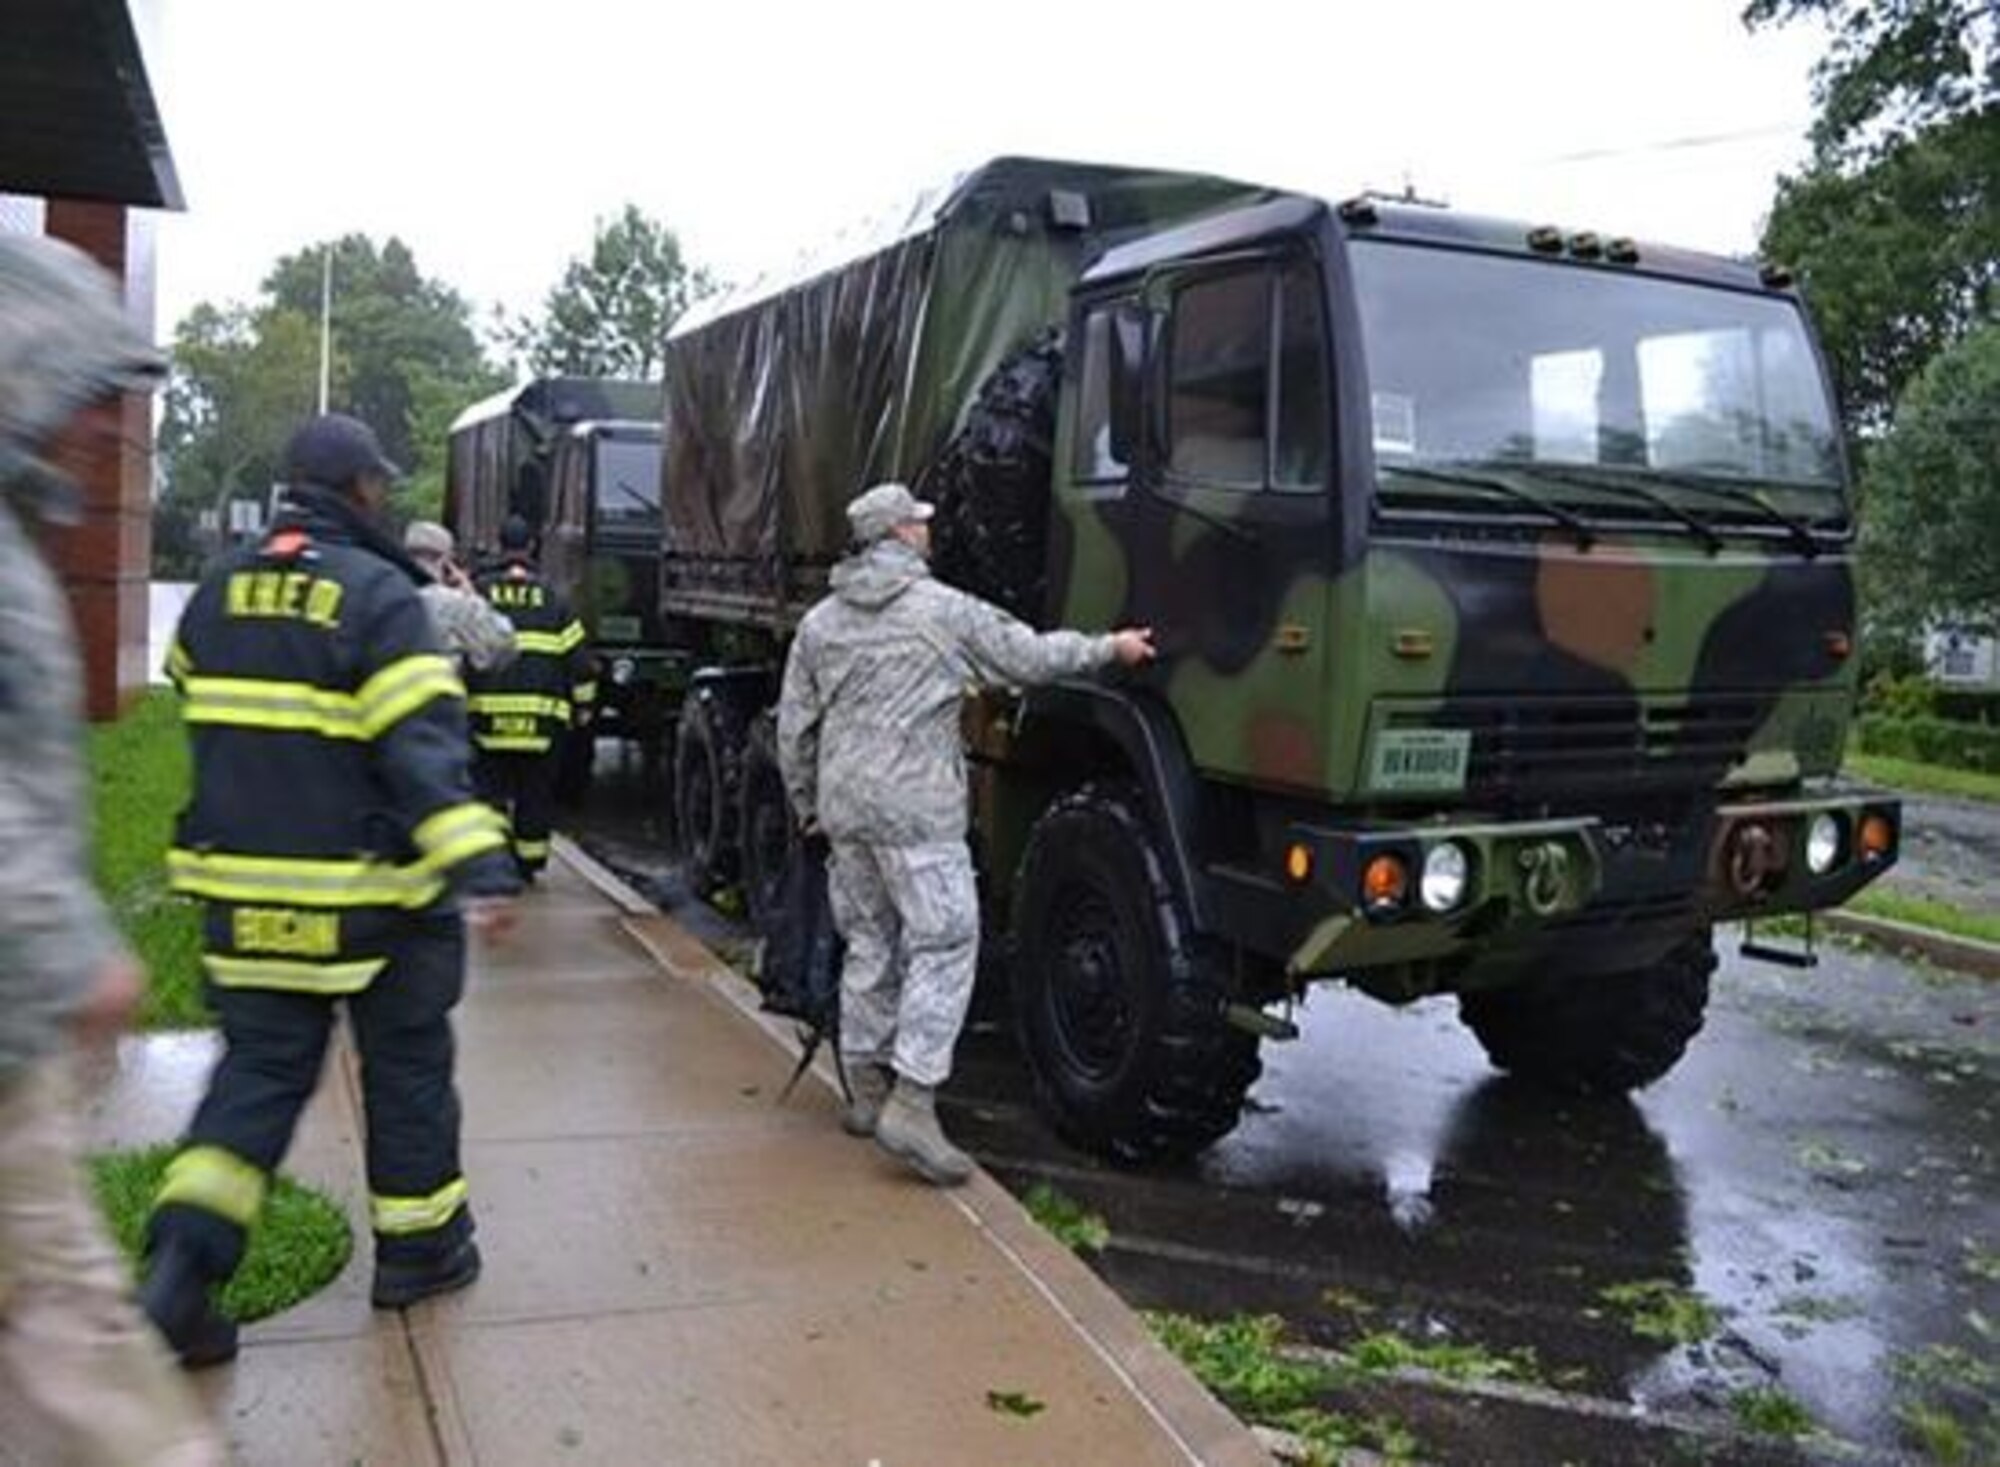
column 1602, row 1034
column 763, row 822
column 1119, row 1010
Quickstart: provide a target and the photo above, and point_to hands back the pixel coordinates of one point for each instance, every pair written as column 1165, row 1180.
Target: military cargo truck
column 579, row 459
column 1501, row 575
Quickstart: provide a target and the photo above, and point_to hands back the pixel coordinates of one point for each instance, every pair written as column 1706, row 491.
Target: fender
column 1145, row 732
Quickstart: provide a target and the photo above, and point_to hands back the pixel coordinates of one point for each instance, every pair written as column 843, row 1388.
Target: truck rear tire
column 991, row 484
column 1119, row 1010
column 705, row 770
column 763, row 822
column 1598, row 1035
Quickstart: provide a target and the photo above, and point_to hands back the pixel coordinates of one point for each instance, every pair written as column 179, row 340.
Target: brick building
column 84, row 157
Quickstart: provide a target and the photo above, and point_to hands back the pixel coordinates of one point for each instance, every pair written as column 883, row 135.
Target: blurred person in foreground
column 335, row 840
column 70, row 1338
column 477, row 636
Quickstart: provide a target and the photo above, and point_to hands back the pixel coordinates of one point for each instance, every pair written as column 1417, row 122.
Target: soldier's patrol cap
column 334, row 450
column 877, row 511
column 428, row 537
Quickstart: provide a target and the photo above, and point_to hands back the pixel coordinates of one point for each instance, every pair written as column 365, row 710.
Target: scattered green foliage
column 1928, row 913
column 1921, row 778
column 1769, row 1411
column 1329, row 1436
column 1014, row 1403
column 1240, row 1360
column 1656, row 1309
column 1384, row 1352
column 1949, row 1404
column 1073, row 1225
column 298, row 1246
column 1981, row 1262
column 1827, row 1161
column 139, row 782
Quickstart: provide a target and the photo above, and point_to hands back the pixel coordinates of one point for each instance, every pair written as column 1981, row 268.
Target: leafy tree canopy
column 610, row 313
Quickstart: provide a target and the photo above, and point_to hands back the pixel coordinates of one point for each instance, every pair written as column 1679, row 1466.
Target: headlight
column 622, row 670
column 1447, row 873
column 1823, row 842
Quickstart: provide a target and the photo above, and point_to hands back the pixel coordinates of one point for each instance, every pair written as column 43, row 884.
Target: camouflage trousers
column 910, row 918
column 72, row 1343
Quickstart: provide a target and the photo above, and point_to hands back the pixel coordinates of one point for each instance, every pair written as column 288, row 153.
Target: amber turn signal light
column 1385, row 882
column 1877, row 837
column 1298, row 863
column 1839, row 645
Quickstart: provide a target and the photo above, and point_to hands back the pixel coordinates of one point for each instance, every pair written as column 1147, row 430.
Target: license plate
column 1420, row 760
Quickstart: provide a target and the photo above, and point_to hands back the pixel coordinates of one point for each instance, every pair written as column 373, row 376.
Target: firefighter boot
column 908, row 1130
column 870, row 1086
column 175, row 1298
column 401, row 1284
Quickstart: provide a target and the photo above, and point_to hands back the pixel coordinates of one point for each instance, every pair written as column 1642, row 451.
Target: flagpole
column 325, row 323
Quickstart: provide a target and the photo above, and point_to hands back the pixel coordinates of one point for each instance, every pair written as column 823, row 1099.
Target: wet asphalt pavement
column 1822, row 1173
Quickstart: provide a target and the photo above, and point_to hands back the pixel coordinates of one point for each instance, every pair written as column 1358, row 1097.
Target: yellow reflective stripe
column 399, row 1215
column 538, row 705
column 404, row 686
column 495, row 743
column 532, row 850
column 458, row 832
column 179, row 664
column 584, row 692
column 551, row 644
column 299, row 881
column 243, row 702
column 290, row 976
column 216, row 1181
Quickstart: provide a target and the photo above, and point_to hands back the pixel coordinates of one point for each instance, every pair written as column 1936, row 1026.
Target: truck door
column 1221, row 504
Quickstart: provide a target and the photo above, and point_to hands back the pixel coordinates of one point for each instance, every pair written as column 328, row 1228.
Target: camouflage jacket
column 54, row 932
column 478, row 637
column 868, row 731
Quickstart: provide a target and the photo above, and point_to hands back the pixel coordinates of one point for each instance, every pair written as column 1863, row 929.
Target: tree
column 1894, row 227
column 1932, row 542
column 610, row 313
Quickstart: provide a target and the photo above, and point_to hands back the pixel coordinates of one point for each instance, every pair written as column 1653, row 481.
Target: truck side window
column 1094, row 460
column 1304, row 400
column 1219, row 405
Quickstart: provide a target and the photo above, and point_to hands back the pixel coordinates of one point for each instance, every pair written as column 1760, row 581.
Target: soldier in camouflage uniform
column 479, row 638
column 70, row 1338
column 868, row 738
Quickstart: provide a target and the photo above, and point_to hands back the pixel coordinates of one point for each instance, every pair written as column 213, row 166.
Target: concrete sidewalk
column 677, row 1269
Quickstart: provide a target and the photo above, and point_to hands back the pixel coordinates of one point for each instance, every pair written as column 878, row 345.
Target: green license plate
column 1420, row 760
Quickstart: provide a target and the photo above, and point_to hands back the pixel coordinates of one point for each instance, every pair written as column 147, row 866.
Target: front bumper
column 1527, row 882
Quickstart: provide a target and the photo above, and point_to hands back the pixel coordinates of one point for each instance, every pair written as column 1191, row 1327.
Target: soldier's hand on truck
column 1133, row 646
column 492, row 918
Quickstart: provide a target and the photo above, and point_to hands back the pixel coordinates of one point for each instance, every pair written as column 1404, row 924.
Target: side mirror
column 1128, row 381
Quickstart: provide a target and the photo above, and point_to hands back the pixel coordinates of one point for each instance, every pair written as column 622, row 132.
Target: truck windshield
column 1477, row 359
column 628, row 483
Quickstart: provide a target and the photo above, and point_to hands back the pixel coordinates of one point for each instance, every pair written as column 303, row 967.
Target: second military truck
column 1501, row 577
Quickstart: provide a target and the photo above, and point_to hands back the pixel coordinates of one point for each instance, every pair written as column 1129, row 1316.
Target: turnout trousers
column 522, row 787
column 274, row 1047
column 910, row 918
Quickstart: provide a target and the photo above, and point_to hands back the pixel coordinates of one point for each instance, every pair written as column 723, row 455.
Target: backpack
column 800, row 972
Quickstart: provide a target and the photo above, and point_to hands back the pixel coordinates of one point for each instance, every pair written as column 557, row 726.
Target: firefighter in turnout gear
column 522, row 713
column 335, row 839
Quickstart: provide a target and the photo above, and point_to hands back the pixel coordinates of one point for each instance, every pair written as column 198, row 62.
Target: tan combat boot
column 868, row 1087
column 908, row 1130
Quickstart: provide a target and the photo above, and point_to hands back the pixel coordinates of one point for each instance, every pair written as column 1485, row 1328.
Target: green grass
column 139, row 782
column 1926, row 912
column 1383, row 1353
column 1654, row 1309
column 1769, row 1411
column 1928, row 779
column 1074, row 1226
column 297, row 1248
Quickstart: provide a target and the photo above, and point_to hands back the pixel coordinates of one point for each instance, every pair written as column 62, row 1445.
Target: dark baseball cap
column 334, row 450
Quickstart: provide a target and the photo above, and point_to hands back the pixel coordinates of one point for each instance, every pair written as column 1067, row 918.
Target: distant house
column 84, row 158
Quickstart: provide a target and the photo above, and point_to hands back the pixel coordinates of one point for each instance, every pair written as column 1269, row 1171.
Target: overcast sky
column 491, row 134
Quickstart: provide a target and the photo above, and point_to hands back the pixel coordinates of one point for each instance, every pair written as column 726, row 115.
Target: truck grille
column 1540, row 743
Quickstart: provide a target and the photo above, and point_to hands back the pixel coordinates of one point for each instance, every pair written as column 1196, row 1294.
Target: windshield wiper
column 1583, row 475
column 1800, row 532
column 637, row 496
column 1586, row 536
